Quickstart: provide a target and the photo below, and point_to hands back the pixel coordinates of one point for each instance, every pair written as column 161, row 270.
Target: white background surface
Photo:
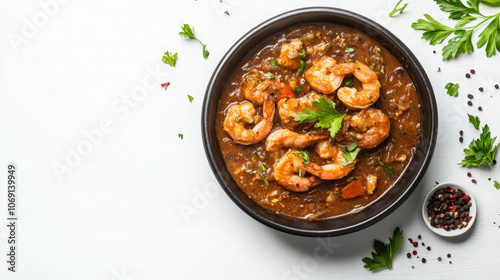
column 117, row 213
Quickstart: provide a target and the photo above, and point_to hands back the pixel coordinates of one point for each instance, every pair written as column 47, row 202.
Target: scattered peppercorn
column 461, row 139
column 419, row 236
column 428, row 248
column 469, row 103
column 415, row 244
column 481, row 89
column 412, row 266
column 414, row 252
column 423, row 244
column 496, row 86
column 467, row 75
column 461, row 132
column 434, row 51
column 424, row 260
column 438, row 69
column 480, row 108
column 474, row 181
column 440, row 259
column 449, row 255
column 472, row 71
column 470, row 96
column 450, row 262
column 408, row 255
column 468, row 174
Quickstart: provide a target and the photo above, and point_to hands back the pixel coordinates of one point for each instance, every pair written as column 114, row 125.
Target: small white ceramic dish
column 472, row 210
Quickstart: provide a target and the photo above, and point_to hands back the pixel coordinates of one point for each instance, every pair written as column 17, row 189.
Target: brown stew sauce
column 398, row 100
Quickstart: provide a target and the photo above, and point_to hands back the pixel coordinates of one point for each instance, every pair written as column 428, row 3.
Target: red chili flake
column 452, row 197
column 437, row 183
column 411, row 240
column 227, row 13
column 470, row 218
column 474, row 181
column 472, row 71
column 466, row 198
column 414, row 252
column 468, row 174
column 165, row 85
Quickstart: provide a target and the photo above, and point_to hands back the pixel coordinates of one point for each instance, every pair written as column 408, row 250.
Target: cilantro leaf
column 169, row 58
column 326, row 115
column 435, row 32
column 396, row 9
column 188, row 32
column 181, row 136
column 452, row 89
column 384, row 253
column 387, row 168
column 474, row 121
column 349, row 81
column 273, row 62
column 304, row 156
column 348, row 49
column 481, row 151
column 297, row 89
column 302, row 65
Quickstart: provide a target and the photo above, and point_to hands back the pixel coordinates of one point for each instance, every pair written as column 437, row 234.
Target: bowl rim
column 472, row 212
column 412, row 184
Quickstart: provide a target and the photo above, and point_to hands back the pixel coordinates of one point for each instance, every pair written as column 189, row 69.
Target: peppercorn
column 480, row 108
column 461, row 132
column 481, row 89
column 469, row 103
column 440, row 259
column 449, row 255
column 461, row 139
column 424, row 260
column 472, row 71
column 497, row 86
column 467, row 75
column 408, row 255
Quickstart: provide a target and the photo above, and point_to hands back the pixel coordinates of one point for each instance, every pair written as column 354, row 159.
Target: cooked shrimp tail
column 284, row 138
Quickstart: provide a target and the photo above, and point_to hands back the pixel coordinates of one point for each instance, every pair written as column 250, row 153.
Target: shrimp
column 257, row 87
column 325, row 75
column 368, row 95
column 285, row 169
column 371, row 127
column 333, row 170
column 289, row 108
column 284, row 138
column 240, row 114
column 289, row 55
column 371, row 184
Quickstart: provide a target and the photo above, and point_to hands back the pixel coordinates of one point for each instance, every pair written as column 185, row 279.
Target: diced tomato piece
column 353, row 189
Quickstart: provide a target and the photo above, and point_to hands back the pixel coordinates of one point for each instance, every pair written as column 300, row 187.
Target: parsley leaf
column 387, row 168
column 326, row 114
column 396, row 9
column 181, row 136
column 348, row 49
column 188, row 32
column 304, row 156
column 273, row 62
column 481, row 151
column 452, row 89
column 436, row 32
column 350, row 154
column 302, row 65
column 169, row 58
column 384, row 253
column 297, row 89
column 190, row 98
column 302, row 55
column 474, row 121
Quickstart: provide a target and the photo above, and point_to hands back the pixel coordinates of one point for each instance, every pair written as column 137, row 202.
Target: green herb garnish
column 373, row 67
column 304, row 156
column 190, row 98
column 396, row 9
column 169, row 58
column 452, row 89
column 326, row 115
column 475, row 121
column 273, row 62
column 297, row 89
column 302, row 55
column 261, row 167
column 496, row 185
column 402, row 132
column 302, row 65
column 249, row 171
column 348, row 49
column 377, row 57
column 264, row 178
column 384, row 253
column 181, row 136
column 350, row 154
column 188, row 32
column 382, row 69
column 437, row 32
column 387, row 168
column 481, row 151
column 349, row 81
column 269, row 75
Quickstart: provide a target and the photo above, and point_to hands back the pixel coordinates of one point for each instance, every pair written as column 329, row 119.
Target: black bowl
column 394, row 197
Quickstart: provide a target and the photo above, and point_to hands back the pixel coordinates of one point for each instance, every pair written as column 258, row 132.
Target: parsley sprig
column 188, row 32
column 397, row 9
column 482, row 150
column 452, row 89
column 304, row 156
column 326, row 115
column 169, row 58
column 474, row 120
column 384, row 253
column 461, row 42
column 350, row 153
